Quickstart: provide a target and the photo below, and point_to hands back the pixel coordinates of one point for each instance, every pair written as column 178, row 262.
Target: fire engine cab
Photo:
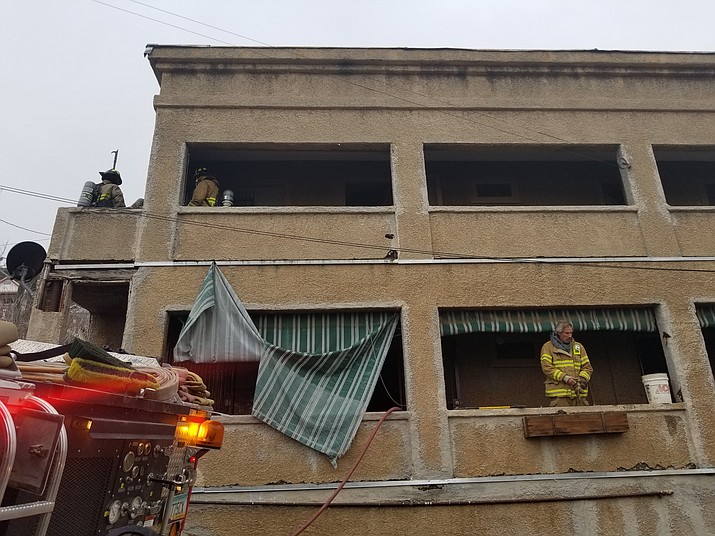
column 76, row 461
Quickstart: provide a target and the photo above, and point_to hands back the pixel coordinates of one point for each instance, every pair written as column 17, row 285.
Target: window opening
column 541, row 175
column 496, row 365
column 52, row 296
column 706, row 317
column 687, row 175
column 232, row 385
column 296, row 175
column 494, row 190
column 99, row 311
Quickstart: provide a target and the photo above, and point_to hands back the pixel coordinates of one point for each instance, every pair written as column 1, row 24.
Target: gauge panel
column 137, row 496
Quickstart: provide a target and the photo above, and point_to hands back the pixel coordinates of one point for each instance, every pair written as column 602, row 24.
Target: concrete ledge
column 485, row 490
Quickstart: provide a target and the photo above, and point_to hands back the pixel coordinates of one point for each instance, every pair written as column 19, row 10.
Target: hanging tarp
column 706, row 314
column 319, row 399
column 218, row 329
column 317, row 371
column 544, row 320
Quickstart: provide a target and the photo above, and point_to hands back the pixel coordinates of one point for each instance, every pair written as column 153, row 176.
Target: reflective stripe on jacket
column 110, row 195
column 557, row 363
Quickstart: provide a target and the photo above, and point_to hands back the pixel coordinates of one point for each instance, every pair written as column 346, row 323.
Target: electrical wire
column 347, row 477
column 389, row 394
column 363, row 86
column 202, row 23
column 457, row 115
column 327, row 241
column 162, row 22
column 24, row 228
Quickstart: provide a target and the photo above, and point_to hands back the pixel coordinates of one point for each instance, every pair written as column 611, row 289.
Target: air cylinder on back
column 86, row 198
column 227, row 198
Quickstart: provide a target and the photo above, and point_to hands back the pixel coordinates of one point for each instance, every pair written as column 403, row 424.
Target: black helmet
column 203, row 172
column 112, row 175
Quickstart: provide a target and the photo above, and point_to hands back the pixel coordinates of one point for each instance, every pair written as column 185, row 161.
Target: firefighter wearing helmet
column 110, row 194
column 206, row 190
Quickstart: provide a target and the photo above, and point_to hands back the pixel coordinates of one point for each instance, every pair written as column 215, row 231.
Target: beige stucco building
column 438, row 184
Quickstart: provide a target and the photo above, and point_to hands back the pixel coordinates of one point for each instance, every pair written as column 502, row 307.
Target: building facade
column 480, row 196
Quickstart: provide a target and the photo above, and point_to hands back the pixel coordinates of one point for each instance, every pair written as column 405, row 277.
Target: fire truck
column 76, row 461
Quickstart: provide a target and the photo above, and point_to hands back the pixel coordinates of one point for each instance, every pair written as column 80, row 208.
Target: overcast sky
column 75, row 85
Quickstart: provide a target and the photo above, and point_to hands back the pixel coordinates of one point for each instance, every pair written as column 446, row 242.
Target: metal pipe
column 458, row 502
column 461, row 481
column 281, row 262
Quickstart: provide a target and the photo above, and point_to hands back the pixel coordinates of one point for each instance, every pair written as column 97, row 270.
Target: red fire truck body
column 81, row 462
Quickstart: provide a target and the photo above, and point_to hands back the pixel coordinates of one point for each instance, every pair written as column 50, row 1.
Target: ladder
column 17, row 400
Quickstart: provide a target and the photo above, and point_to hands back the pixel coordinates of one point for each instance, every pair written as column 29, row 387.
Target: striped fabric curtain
column 318, row 373
column 317, row 333
column 218, row 329
column 706, row 314
column 544, row 320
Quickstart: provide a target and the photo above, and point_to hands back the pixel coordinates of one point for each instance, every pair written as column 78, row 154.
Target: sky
column 75, row 85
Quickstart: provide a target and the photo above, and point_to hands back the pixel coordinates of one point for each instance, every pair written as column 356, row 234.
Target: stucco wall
column 405, row 99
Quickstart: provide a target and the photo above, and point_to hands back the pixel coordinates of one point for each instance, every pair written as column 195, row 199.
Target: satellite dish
column 24, row 260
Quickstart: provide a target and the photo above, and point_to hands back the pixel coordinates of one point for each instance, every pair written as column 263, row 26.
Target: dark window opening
column 523, row 175
column 232, row 385
column 503, row 369
column 319, row 175
column 709, row 337
column 710, row 193
column 687, row 175
column 52, row 296
column 98, row 312
column 494, row 190
column 368, row 194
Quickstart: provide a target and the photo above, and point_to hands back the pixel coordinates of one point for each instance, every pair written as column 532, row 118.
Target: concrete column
column 644, row 189
column 409, row 187
column 424, row 382
column 690, row 376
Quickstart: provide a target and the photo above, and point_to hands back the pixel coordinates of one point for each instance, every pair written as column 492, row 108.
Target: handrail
column 7, row 449
column 45, row 505
column 58, row 464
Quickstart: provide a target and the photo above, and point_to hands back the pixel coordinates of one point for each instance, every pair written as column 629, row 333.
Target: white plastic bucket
column 657, row 388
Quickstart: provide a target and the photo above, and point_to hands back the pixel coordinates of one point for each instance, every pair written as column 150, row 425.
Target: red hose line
column 347, row 477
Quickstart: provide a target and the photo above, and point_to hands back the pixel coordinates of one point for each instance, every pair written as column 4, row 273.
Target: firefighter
column 110, row 194
column 568, row 370
column 206, row 190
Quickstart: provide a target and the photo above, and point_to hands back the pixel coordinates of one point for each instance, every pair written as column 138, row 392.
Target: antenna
column 24, row 262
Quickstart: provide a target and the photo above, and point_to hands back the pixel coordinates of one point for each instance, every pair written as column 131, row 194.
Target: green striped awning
column 319, row 332
column 317, row 398
column 544, row 320
column 706, row 315
column 317, row 371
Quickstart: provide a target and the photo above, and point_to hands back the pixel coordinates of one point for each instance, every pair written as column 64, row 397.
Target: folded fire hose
column 88, row 365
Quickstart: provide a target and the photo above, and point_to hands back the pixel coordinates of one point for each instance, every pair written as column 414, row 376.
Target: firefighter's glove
column 583, row 383
column 569, row 380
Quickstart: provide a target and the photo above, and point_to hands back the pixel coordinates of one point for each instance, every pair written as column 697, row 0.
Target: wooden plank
column 575, row 424
column 615, row 422
column 538, row 426
column 589, row 423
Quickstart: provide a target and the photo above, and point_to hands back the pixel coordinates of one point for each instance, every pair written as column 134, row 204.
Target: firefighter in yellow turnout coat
column 567, row 368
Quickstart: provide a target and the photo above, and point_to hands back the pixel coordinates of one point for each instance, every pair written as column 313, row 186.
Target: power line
column 440, row 254
column 162, row 22
column 24, row 228
column 202, row 23
column 459, row 116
